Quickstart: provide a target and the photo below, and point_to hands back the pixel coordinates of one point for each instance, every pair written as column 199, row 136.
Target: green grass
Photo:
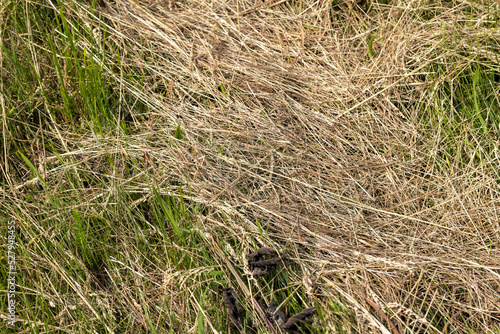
column 54, row 88
column 465, row 109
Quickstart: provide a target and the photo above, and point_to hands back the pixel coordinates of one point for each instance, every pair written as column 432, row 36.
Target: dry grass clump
column 313, row 118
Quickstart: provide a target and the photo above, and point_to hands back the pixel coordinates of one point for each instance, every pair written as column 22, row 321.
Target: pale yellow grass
column 292, row 120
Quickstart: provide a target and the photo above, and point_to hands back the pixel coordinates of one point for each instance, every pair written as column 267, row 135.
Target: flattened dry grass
column 360, row 139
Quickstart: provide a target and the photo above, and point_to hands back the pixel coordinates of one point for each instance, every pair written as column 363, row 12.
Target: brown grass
column 288, row 119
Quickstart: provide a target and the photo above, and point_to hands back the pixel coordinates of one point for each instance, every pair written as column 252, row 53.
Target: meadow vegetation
column 147, row 147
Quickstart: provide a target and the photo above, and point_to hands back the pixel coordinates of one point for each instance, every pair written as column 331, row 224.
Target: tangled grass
column 361, row 139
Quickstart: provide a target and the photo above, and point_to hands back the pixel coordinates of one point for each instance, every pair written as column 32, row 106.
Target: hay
column 292, row 117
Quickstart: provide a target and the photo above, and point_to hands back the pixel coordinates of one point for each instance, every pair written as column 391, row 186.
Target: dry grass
column 288, row 120
column 295, row 120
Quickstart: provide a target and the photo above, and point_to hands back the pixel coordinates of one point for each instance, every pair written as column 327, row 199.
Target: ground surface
column 148, row 147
